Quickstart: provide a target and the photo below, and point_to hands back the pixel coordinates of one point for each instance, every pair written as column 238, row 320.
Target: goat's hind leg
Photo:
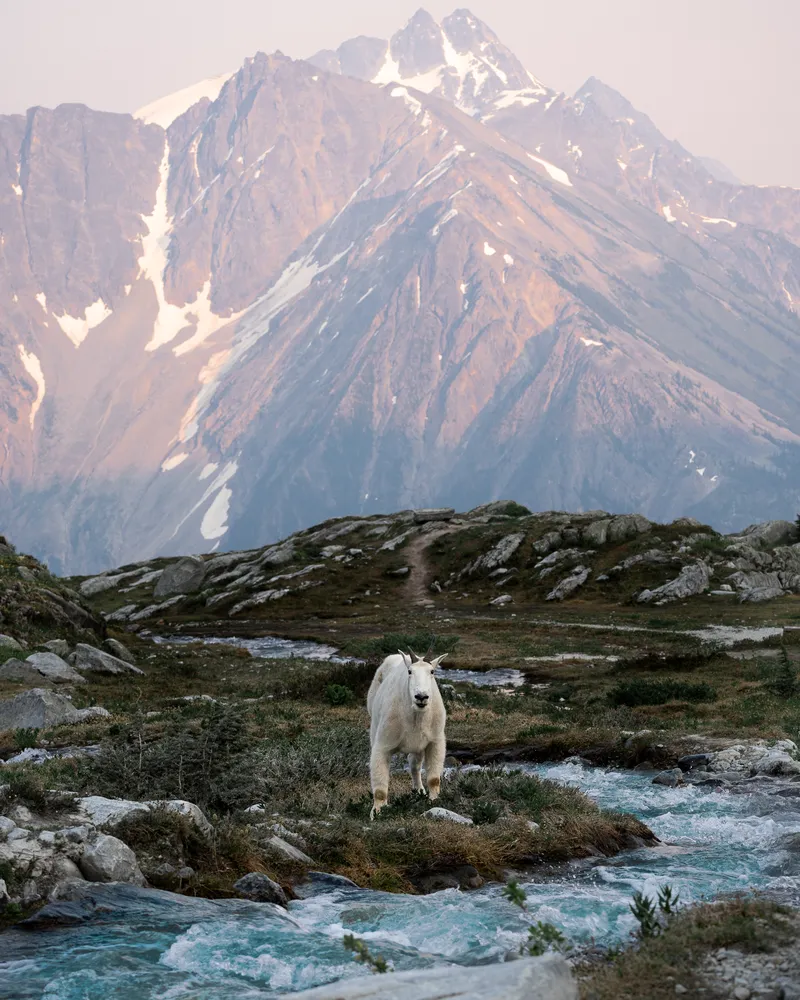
column 379, row 779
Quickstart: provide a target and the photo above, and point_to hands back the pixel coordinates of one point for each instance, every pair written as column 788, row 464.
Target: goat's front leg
column 379, row 762
column 435, row 754
column 415, row 763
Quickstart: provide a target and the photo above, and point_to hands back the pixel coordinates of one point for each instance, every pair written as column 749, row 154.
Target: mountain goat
column 407, row 715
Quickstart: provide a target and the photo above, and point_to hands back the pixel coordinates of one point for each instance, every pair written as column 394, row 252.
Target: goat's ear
column 406, row 657
column 435, row 662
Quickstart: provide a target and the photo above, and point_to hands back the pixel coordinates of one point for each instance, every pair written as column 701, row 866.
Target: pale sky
column 721, row 76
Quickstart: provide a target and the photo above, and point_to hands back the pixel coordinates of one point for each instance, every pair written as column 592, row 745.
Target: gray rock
column 548, row 543
column 426, row 514
column 92, row 660
column 501, row 600
column 107, row 859
column 288, row 851
column 116, row 648
column 278, row 555
column 8, row 642
column 5, row 896
column 53, row 668
column 569, row 584
column 545, row 978
column 438, row 813
column 760, row 594
column 58, row 646
column 596, row 533
column 776, row 763
column 627, row 526
column 109, row 812
column 498, row 555
column 6, row 826
column 18, row 670
column 693, row 579
column 768, row 533
column 260, row 889
column 671, row 778
column 39, row 708
column 400, row 571
column 182, row 577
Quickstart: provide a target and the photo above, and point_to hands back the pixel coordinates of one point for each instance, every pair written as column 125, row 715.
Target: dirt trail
column 417, row 591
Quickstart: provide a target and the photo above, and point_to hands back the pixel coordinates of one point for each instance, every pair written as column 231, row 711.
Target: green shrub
column 644, row 692
column 484, row 813
column 25, row 738
column 339, row 694
column 784, row 682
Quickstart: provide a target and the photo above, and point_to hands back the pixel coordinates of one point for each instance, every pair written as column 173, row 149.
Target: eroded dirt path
column 419, row 576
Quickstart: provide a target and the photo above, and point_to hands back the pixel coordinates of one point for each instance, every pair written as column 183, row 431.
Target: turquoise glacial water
column 130, row 944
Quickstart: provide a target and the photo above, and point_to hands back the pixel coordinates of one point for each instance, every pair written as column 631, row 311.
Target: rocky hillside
column 496, row 555
column 403, row 273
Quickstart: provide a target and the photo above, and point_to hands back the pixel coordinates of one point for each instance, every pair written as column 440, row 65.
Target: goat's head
column 420, row 677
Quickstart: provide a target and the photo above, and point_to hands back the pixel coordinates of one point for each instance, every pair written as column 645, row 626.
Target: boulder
column 596, row 533
column 92, row 660
column 547, row 977
column 185, row 576
column 260, row 889
column 439, row 813
column 278, row 555
column 776, row 763
column 287, row 851
column 501, row 600
column 693, row 579
column 18, row 670
column 426, row 514
column 58, row 646
column 116, row 648
column 671, row 778
column 547, row 543
column 53, row 668
column 627, row 526
column 8, row 642
column 569, row 584
column 768, row 533
column 498, row 555
column 107, row 859
column 39, row 708
column 110, row 812
column 759, row 594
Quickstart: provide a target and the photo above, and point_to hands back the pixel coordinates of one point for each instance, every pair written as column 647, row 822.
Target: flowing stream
column 135, row 944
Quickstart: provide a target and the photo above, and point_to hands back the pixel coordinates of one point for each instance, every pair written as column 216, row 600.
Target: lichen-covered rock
column 8, row 642
column 693, row 579
column 288, row 851
column 58, row 646
column 116, row 648
column 108, row 859
column 39, row 708
column 102, row 811
column 185, row 576
column 423, row 515
column 569, row 584
column 626, row 526
column 596, row 533
column 768, row 533
column 90, row 659
column 547, row 543
column 503, row 599
column 498, row 555
column 19, row 670
column 53, row 668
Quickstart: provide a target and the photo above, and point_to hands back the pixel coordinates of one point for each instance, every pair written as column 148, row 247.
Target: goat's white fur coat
column 407, row 715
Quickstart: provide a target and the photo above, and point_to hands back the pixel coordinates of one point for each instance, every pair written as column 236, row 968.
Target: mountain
column 402, row 273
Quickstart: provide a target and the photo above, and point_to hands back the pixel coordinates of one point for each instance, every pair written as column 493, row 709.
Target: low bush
column 644, row 692
column 339, row 694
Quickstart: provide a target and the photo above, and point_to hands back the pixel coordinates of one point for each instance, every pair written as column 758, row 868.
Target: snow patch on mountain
column 33, row 367
column 555, row 172
column 717, row 222
column 165, row 110
column 174, row 462
column 77, row 327
column 412, row 102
